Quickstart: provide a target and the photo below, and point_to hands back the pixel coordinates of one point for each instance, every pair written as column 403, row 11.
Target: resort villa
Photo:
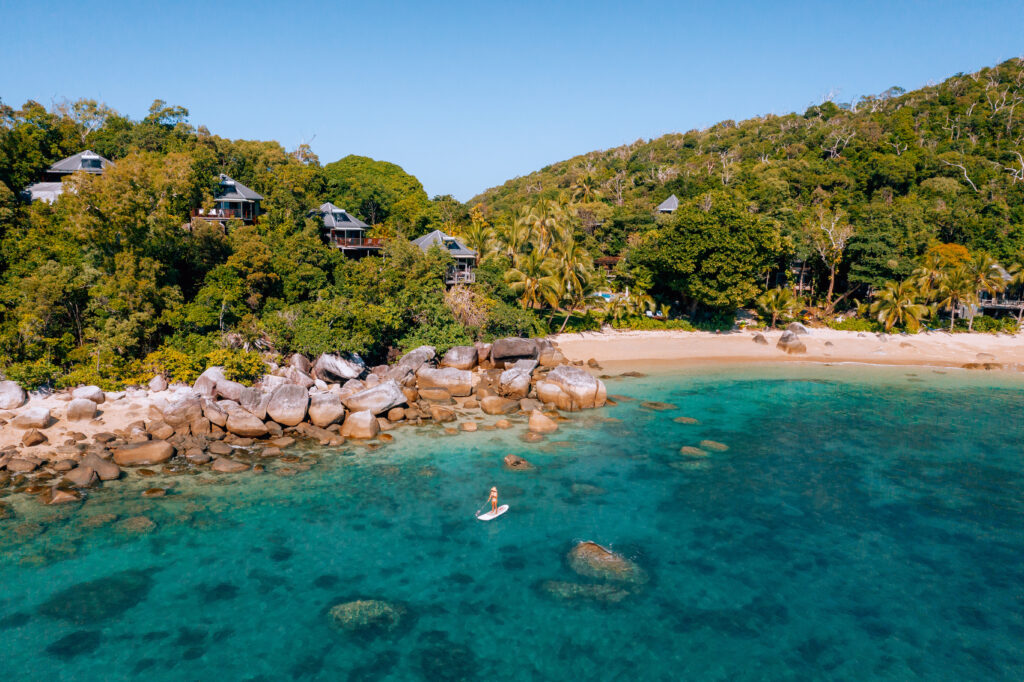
column 465, row 258
column 52, row 185
column 347, row 232
column 669, row 205
column 234, row 201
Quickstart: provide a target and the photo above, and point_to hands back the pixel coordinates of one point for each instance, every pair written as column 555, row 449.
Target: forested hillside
column 900, row 171
column 110, row 284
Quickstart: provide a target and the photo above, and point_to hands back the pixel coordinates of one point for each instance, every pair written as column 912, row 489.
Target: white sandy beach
column 941, row 349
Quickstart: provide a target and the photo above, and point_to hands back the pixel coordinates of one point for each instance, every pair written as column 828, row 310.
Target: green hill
column 907, row 169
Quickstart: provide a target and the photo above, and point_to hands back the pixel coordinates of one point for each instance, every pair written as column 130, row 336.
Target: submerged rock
column 541, row 423
column 714, row 445
column 228, row 466
column 100, row 599
column 594, row 561
column 601, row 592
column 366, row 615
column 516, row 463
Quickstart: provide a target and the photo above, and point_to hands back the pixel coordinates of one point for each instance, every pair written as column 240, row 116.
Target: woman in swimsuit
column 494, row 500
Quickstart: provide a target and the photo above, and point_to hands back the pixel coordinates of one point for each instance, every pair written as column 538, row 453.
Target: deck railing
column 215, row 213
column 460, row 277
column 359, row 242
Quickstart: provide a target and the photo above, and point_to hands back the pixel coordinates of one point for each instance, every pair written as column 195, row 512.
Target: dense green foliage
column 109, row 285
column 906, row 200
column 904, row 170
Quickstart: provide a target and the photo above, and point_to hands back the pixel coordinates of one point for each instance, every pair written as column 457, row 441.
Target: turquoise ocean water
column 864, row 523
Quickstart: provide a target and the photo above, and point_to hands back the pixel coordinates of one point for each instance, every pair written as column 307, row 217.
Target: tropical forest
column 895, row 212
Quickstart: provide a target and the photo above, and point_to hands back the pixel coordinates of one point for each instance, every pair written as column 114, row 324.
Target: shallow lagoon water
column 864, row 523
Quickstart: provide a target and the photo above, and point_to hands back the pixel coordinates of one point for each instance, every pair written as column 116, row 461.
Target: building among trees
column 52, row 185
column 462, row 272
column 347, row 232
column 669, row 205
column 234, row 201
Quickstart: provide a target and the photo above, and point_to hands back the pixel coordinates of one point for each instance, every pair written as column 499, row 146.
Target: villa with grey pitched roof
column 234, row 201
column 669, row 205
column 462, row 272
column 52, row 185
column 346, row 232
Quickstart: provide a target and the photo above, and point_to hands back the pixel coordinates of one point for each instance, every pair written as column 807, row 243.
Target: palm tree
column 896, row 303
column 1016, row 280
column 480, row 237
column 955, row 289
column 585, row 189
column 574, row 271
column 531, row 279
column 777, row 301
column 928, row 276
column 986, row 277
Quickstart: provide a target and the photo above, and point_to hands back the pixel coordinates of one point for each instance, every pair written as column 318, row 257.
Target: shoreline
column 667, row 349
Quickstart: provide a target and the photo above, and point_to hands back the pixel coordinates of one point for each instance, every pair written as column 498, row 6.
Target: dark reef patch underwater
column 858, row 526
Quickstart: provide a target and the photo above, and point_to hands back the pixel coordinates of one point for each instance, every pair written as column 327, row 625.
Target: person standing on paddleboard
column 494, row 500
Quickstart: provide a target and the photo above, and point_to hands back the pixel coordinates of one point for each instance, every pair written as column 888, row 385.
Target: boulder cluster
column 329, row 400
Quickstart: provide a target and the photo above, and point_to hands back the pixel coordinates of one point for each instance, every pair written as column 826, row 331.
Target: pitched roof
column 338, row 218
column 454, row 246
column 232, row 190
column 88, row 161
column 43, row 191
column 669, row 205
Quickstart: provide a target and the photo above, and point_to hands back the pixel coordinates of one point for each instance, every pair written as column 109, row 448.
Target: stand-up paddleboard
column 493, row 514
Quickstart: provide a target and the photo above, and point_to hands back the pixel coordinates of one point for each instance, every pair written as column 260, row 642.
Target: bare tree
column 829, row 232
column 838, row 139
column 963, row 168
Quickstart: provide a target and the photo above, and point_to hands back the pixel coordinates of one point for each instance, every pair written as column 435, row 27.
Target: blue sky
column 466, row 95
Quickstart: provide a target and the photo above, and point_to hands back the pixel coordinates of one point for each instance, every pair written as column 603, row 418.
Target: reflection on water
column 859, row 525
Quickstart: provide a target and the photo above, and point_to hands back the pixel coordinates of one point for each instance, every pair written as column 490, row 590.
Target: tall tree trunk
column 831, row 289
column 565, row 321
column 775, row 316
column 1020, row 314
column 952, row 317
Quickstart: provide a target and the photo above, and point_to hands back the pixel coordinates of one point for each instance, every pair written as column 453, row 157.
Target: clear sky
column 466, row 95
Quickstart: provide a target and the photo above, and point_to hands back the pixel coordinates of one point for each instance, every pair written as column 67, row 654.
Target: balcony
column 217, row 214
column 358, row 242
column 461, row 277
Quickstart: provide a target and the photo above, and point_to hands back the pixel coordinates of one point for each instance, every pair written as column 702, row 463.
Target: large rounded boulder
column 571, row 388
column 12, row 396
column 32, row 418
column 145, row 453
column 461, row 357
column 513, row 349
column 377, row 399
column 325, row 409
column 334, row 369
column 288, row 404
column 81, row 409
column 791, row 343
column 459, row 382
column 93, row 393
column 361, row 425
column 416, row 358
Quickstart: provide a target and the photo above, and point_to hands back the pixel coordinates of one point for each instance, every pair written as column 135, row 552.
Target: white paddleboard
column 493, row 514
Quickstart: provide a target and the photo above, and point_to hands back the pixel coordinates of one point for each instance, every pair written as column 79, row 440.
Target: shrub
column 856, row 324
column 990, row 325
column 33, row 374
column 243, row 366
